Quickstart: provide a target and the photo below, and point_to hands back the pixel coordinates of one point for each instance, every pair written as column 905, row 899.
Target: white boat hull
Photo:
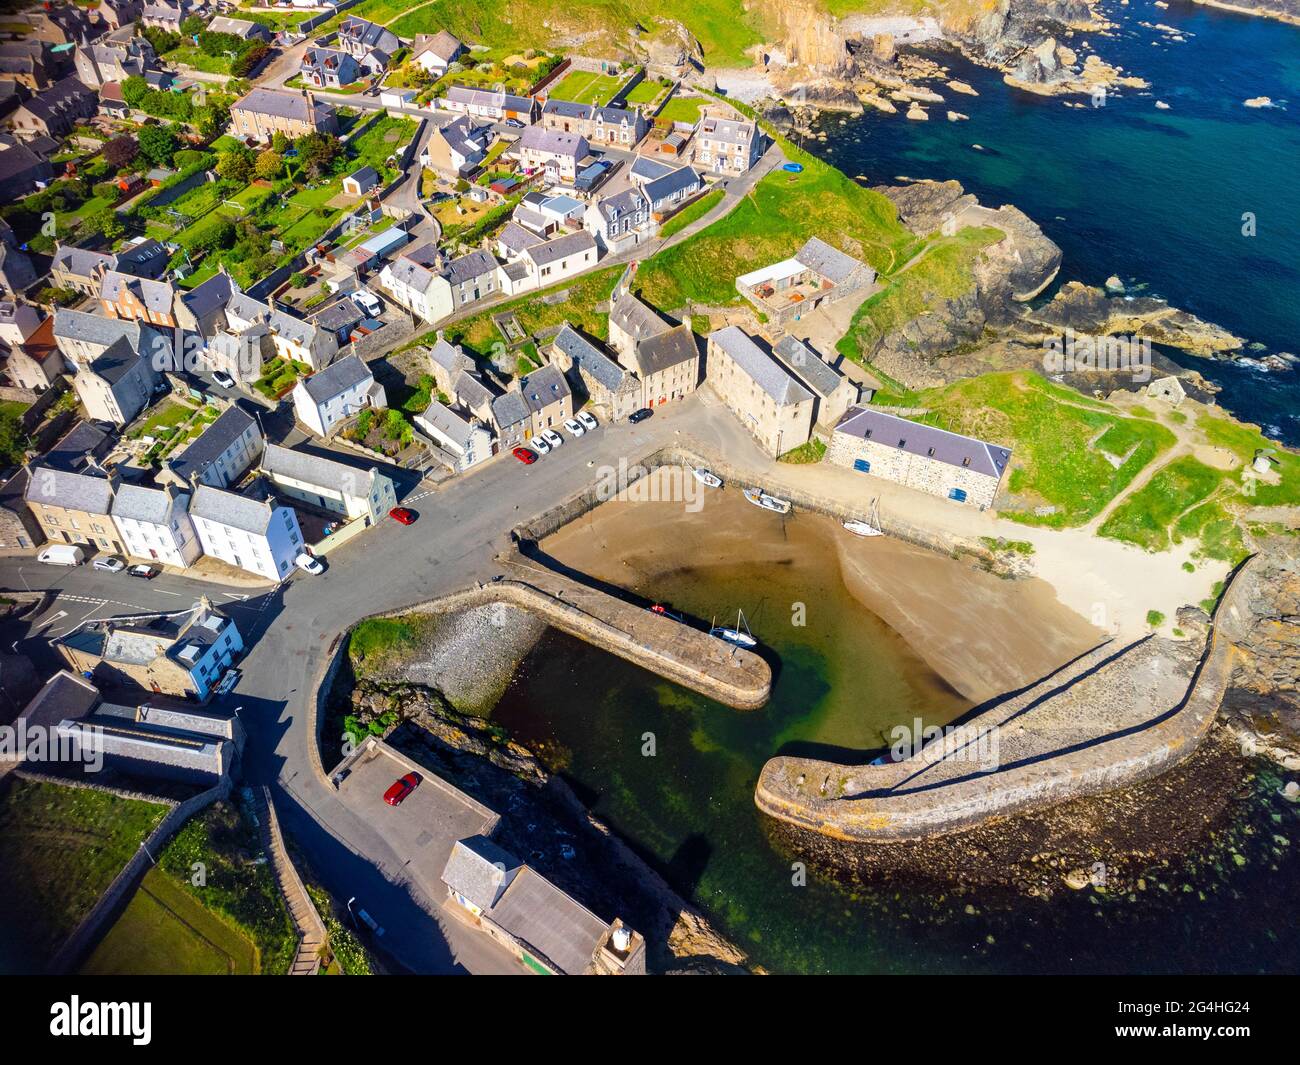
column 767, row 502
column 862, row 528
column 707, row 477
column 741, row 639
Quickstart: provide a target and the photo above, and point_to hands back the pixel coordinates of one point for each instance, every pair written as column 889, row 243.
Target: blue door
column 862, row 465
column 958, row 494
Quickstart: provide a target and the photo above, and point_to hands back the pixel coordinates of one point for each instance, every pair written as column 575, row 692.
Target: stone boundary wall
column 551, row 521
column 302, row 911
column 95, row 923
column 585, row 626
column 1128, row 758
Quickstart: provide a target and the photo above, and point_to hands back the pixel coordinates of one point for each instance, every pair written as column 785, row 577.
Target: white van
column 62, row 555
column 368, row 302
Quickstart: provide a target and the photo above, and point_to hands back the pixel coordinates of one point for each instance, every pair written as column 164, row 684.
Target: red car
column 401, row 788
column 406, row 517
column 524, row 455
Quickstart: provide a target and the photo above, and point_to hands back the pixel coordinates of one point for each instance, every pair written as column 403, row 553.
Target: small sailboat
column 736, row 636
column 706, row 477
column 866, row 528
column 761, row 499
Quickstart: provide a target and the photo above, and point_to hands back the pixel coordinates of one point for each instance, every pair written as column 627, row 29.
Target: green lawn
column 724, row 28
column 479, row 333
column 60, row 848
column 584, row 88
column 191, row 56
column 166, row 931
column 238, row 889
column 163, row 420
column 644, row 91
column 781, row 212
column 691, row 213
column 1048, row 428
column 1145, row 517
column 682, row 109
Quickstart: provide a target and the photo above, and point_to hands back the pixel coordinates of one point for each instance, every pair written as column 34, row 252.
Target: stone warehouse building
column 931, row 460
column 775, row 408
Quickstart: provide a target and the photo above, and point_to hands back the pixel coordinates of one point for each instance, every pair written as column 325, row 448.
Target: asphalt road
column 291, row 628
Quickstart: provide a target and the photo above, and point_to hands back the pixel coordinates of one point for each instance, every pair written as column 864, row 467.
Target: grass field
column 723, row 27
column 691, row 213
column 1048, row 428
column 165, row 930
column 781, row 212
column 60, row 848
column 682, row 109
column 644, row 91
column 581, row 87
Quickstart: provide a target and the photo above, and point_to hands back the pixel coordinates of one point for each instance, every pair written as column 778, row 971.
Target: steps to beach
column 311, row 929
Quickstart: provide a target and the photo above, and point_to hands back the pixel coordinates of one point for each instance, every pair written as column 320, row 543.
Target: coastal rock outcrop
column 1263, row 699
column 1088, row 310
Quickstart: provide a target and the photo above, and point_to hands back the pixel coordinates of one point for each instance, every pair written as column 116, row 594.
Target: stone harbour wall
column 866, row 804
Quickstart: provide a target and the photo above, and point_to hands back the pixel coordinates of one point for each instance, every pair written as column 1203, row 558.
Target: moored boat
column 706, row 477
column 761, row 499
column 736, row 636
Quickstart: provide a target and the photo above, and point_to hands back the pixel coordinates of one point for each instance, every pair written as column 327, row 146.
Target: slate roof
column 449, row 423
column 229, row 508
column 561, row 247
column 213, row 294
column 155, row 295
column 679, row 180
column 450, row 357
column 289, row 105
column 516, row 239
column 116, row 361
column 729, row 130
column 543, row 387
column 470, row 390
column 337, row 316
column 76, row 491
column 829, row 262
column 336, row 379
column 926, row 441
column 478, row 870
column 153, row 505
column 629, row 201
column 82, row 442
column 442, row 44
column 370, row 34
column 467, row 267
column 367, row 177
column 636, row 317
column 644, row 168
column 586, row 356
column 501, row 101
column 313, row 469
column 97, row 328
column 764, row 370
column 80, row 261
column 806, row 365
column 65, row 696
column 509, row 409
column 463, row 136
column 663, row 350
column 551, row 922
column 554, row 142
column 410, row 273
column 211, row 444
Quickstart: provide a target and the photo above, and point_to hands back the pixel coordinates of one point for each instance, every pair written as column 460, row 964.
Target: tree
column 193, row 26
column 268, row 166
column 279, row 143
column 236, row 165
column 211, row 119
column 300, row 280
column 158, row 144
column 120, row 151
column 106, row 222
column 316, row 152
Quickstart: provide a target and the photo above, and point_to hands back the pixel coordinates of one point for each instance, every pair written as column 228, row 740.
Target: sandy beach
column 982, row 634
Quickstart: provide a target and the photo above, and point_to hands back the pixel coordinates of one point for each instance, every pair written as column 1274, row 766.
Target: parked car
column 62, row 555
column 368, row 302
column 402, row 515
column 109, row 563
column 587, row 420
column 309, row 564
column 223, row 379
column 148, row 573
column 514, row 123
column 552, row 437
column 542, row 445
column 574, row 428
column 523, row 455
column 640, row 415
column 401, row 788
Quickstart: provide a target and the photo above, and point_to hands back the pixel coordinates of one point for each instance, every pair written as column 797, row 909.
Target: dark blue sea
column 1159, row 197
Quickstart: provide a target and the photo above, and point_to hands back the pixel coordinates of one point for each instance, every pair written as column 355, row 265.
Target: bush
column 120, row 151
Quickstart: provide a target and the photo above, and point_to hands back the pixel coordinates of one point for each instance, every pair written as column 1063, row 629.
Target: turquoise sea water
column 1155, row 196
